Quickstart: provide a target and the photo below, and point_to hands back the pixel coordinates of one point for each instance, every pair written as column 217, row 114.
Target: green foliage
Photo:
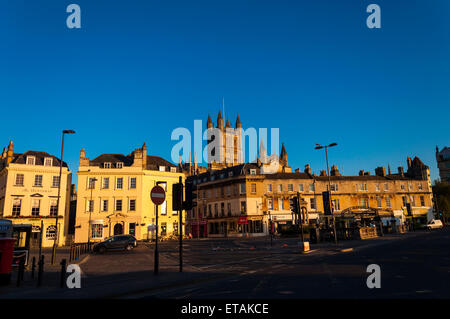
column 441, row 192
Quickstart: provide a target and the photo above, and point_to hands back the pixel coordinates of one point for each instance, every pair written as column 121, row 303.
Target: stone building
column 443, row 163
column 114, row 196
column 29, row 194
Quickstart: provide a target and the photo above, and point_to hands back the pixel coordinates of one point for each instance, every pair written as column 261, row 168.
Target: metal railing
column 76, row 250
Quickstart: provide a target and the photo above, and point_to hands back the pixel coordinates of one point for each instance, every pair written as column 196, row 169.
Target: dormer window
column 107, row 165
column 253, row 172
column 162, row 168
column 31, row 160
column 48, row 161
column 173, row 169
column 119, row 165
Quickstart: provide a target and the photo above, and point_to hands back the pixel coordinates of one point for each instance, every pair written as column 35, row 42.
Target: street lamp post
column 318, row 147
column 92, row 186
column 55, row 242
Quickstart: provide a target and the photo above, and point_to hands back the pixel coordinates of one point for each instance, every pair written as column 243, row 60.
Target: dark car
column 118, row 242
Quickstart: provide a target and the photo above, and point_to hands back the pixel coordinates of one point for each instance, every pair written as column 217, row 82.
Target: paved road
column 417, row 266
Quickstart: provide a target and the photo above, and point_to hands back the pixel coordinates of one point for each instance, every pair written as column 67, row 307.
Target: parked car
column 435, row 223
column 118, row 242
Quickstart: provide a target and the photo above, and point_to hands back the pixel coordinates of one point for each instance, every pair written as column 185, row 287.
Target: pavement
column 253, row 268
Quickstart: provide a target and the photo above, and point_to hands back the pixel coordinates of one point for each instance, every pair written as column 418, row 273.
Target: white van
column 435, row 223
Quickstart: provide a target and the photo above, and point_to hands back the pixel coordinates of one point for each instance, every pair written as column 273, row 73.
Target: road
column 416, row 266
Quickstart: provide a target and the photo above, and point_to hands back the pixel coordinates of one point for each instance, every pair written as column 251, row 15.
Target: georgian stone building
column 29, row 194
column 243, row 199
column 114, row 196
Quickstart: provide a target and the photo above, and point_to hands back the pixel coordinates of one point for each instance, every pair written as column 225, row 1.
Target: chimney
column 361, row 172
column 366, row 173
column 84, row 161
column 307, row 169
column 401, row 172
column 4, row 153
column 323, row 173
column 334, row 171
column 408, row 160
column 380, row 171
column 297, row 170
column 10, row 152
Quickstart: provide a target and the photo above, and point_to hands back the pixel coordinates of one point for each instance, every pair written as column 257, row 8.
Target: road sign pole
column 156, row 266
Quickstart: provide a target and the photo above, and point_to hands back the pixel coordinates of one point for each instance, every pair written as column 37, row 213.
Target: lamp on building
column 55, row 243
column 318, row 147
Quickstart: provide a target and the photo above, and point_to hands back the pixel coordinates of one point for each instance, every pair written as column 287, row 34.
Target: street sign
column 158, row 195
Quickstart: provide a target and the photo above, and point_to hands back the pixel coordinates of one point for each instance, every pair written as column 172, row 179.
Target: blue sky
column 136, row 70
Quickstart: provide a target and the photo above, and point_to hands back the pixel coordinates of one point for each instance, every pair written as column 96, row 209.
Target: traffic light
column 326, row 203
column 293, row 203
column 190, row 197
column 177, row 201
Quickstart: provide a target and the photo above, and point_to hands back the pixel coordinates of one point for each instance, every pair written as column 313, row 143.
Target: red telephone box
column 6, row 257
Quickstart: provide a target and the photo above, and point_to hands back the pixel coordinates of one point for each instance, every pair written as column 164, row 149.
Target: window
column 280, row 204
column 334, row 187
column 38, row 180
column 164, row 208
column 410, row 187
column 104, row 205
column 405, row 201
column 48, row 161
column 363, row 202
column 420, row 187
column 422, row 200
column 132, row 204
column 119, row 183
column 336, row 205
column 55, row 181
column 118, row 205
column 105, row 184
column 290, row 188
column 361, row 187
column 35, row 207
column 229, row 209
column 163, row 229
column 413, row 201
column 209, row 210
column 97, row 231
column 377, row 187
column 242, row 190
column 269, row 203
column 253, row 172
column 402, row 186
column 269, row 188
column 280, row 188
column 107, row 165
column 216, row 212
column 132, row 182
column 119, row 165
column 173, row 169
column 313, row 203
column 51, row 232
column 222, row 209
column 388, row 202
column 90, row 205
column 19, row 179
column 228, row 190
column 378, row 201
column 253, row 188
column 17, row 204
column 243, row 207
column 91, row 182
column 53, row 208
column 221, row 191
column 300, row 187
column 312, row 188
column 31, row 160
column 386, row 187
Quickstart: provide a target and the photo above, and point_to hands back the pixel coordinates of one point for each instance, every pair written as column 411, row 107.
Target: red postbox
column 6, row 257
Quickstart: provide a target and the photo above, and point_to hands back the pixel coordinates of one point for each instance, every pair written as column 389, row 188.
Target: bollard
column 20, row 271
column 63, row 272
column 33, row 267
column 40, row 270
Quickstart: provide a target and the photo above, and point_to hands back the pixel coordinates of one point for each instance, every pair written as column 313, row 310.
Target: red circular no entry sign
column 158, row 195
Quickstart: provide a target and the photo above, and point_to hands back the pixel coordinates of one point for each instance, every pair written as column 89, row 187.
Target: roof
column 40, row 156
column 153, row 162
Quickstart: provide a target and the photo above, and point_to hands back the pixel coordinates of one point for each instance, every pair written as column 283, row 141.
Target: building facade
column 29, row 194
column 114, row 196
column 443, row 163
column 248, row 198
